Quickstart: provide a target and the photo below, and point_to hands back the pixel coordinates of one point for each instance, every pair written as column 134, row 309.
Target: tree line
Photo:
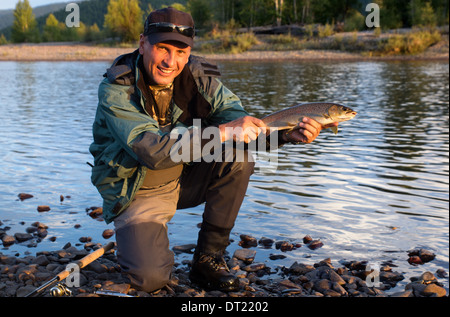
column 122, row 20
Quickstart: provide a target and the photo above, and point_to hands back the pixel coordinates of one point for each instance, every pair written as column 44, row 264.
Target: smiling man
column 146, row 97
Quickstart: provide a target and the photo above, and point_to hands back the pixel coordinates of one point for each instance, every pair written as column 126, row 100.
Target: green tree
column 92, row 33
column 125, row 19
column 149, row 9
column 3, row 40
column 390, row 15
column 201, row 13
column 24, row 28
column 422, row 14
column 175, row 5
column 52, row 31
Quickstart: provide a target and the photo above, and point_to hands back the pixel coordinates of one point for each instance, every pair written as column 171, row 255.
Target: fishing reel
column 60, row 290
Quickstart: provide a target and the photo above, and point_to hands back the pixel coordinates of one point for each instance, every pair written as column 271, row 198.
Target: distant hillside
column 7, row 16
column 91, row 11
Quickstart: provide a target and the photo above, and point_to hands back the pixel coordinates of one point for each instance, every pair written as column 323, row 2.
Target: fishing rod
column 64, row 274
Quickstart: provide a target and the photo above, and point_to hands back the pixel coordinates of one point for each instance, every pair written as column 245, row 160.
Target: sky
column 11, row 4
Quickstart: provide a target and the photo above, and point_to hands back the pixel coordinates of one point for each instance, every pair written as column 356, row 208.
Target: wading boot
column 211, row 272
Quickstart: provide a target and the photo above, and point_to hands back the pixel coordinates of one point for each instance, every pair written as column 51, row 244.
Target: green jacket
column 128, row 141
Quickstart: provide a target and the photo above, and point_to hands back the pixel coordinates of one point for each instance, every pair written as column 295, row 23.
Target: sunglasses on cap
column 166, row 27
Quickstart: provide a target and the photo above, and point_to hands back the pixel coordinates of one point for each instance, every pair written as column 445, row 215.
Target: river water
column 372, row 192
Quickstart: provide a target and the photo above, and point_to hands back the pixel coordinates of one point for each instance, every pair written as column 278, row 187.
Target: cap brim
column 155, row 38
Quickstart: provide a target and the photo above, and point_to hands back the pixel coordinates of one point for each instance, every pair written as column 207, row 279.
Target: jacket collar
column 186, row 95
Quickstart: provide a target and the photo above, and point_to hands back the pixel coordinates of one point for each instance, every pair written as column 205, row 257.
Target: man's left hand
column 307, row 132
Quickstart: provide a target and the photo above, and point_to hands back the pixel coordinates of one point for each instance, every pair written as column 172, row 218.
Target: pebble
column 307, row 239
column 247, row 241
column 23, row 196
column 245, row 255
column 315, row 244
column 284, row 246
column 8, row 240
column 20, row 237
column 43, row 208
column 108, row 233
column 420, row 256
column 266, row 242
column 95, row 212
column 441, row 273
column 186, row 248
column 254, row 267
column 19, row 276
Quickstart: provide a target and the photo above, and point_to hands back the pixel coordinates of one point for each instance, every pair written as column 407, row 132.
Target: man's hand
column 307, row 132
column 245, row 129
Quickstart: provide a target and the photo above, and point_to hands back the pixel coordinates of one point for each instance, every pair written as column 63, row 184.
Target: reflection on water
column 372, row 192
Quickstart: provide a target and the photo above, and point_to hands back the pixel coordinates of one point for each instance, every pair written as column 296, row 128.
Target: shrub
column 3, row 40
column 325, row 30
column 244, row 42
column 413, row 43
column 355, row 22
column 227, row 41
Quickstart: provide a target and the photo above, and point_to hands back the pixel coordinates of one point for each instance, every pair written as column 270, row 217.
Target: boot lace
column 216, row 264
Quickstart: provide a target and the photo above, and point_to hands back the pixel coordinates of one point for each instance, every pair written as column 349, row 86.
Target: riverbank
column 83, row 52
column 326, row 278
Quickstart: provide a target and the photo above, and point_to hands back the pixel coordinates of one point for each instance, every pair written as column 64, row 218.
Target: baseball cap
column 169, row 24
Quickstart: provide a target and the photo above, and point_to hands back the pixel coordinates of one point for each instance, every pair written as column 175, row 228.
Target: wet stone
column 315, row 244
column 108, row 233
column 420, row 256
column 245, row 255
column 43, row 208
column 254, row 267
column 307, row 239
column 434, row 290
column 23, row 196
column 300, row 268
column 8, row 240
column 20, row 237
column 277, row 256
column 247, row 241
column 41, row 260
column 441, row 273
column 266, row 242
column 284, row 246
column 185, row 248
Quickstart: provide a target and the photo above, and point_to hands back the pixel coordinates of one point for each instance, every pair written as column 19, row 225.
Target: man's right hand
column 245, row 129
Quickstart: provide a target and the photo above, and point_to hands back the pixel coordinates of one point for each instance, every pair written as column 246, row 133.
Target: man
column 147, row 97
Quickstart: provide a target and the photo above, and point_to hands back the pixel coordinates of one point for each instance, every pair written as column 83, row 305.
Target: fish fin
column 334, row 129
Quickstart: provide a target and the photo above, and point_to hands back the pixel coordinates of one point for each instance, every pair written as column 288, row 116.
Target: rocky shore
column 20, row 276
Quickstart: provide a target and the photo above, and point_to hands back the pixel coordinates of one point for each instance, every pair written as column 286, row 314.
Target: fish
column 323, row 112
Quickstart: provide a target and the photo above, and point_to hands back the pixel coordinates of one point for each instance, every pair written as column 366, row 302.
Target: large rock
column 245, row 255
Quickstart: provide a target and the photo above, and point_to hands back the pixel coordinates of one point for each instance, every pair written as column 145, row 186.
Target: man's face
column 163, row 61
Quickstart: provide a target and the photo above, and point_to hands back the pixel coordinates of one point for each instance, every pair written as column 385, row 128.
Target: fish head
column 341, row 113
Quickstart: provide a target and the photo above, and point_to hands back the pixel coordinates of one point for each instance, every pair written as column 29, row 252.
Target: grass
column 375, row 44
column 228, row 42
column 413, row 43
